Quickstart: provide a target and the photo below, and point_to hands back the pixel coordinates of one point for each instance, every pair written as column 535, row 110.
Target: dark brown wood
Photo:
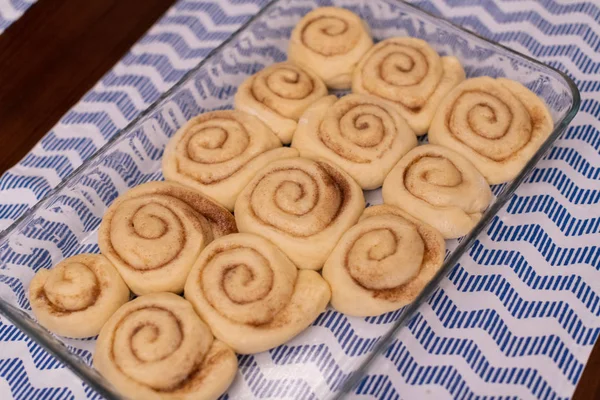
column 54, row 54
column 589, row 385
column 59, row 49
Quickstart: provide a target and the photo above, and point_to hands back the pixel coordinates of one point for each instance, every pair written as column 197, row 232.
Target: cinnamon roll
column 439, row 187
column 498, row 124
column 278, row 95
column 362, row 134
column 154, row 233
column 302, row 205
column 251, row 295
column 218, row 152
column 383, row 262
column 156, row 347
column 410, row 74
column 330, row 41
column 77, row 296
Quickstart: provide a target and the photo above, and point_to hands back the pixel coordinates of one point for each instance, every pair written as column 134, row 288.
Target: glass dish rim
column 105, row 389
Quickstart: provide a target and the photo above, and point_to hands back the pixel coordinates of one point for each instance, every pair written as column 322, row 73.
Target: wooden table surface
column 59, row 49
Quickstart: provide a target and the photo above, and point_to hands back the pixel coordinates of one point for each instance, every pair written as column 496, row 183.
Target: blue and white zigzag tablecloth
column 516, row 319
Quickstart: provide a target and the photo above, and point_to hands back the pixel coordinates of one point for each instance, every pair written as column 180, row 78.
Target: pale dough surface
column 362, row 134
column 410, row 74
column 77, row 296
column 498, row 124
column 251, row 294
column 278, row 95
column 439, row 187
column 383, row 262
column 302, row 205
column 218, row 152
column 330, row 41
column 156, row 347
column 154, row 232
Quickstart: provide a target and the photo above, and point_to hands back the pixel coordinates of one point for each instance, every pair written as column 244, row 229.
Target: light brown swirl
column 78, row 295
column 410, row 74
column 440, row 187
column 278, row 95
column 362, row 134
column 302, row 205
column 383, row 262
column 218, row 152
column 154, row 233
column 251, row 295
column 330, row 41
column 156, row 347
column 498, row 124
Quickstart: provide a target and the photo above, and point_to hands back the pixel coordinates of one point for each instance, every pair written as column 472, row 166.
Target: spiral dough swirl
column 330, row 41
column 498, row 124
column 362, row 134
column 410, row 74
column 302, row 205
column 217, row 153
column 78, row 295
column 156, row 347
column 439, row 187
column 278, row 95
column 383, row 262
column 153, row 234
column 251, row 295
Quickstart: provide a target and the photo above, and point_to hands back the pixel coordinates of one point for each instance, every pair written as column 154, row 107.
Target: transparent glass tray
column 327, row 359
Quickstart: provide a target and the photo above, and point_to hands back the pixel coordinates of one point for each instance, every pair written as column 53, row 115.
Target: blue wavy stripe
column 528, row 275
column 470, row 352
column 548, row 28
column 13, row 371
column 498, row 231
column 556, row 212
column 511, row 345
column 519, row 308
column 565, row 185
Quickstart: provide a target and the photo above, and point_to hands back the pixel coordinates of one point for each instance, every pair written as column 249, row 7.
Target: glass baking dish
column 328, row 359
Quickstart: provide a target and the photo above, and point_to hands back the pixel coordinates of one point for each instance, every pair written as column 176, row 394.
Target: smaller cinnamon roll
column 302, row 205
column 383, row 262
column 362, row 134
column 498, row 124
column 251, row 295
column 156, row 347
column 278, row 95
column 154, row 233
column 410, row 74
column 439, row 187
column 330, row 41
column 77, row 296
column 218, row 152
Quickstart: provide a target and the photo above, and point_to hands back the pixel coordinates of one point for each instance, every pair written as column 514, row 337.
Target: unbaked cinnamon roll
column 498, row 124
column 278, row 95
column 383, row 262
column 77, row 296
column 251, row 295
column 156, row 347
column 218, row 152
column 302, row 205
column 154, row 233
column 330, row 41
column 411, row 75
column 362, row 134
column 440, row 187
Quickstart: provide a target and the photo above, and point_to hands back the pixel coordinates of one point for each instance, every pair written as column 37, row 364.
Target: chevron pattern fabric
column 11, row 10
column 516, row 319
